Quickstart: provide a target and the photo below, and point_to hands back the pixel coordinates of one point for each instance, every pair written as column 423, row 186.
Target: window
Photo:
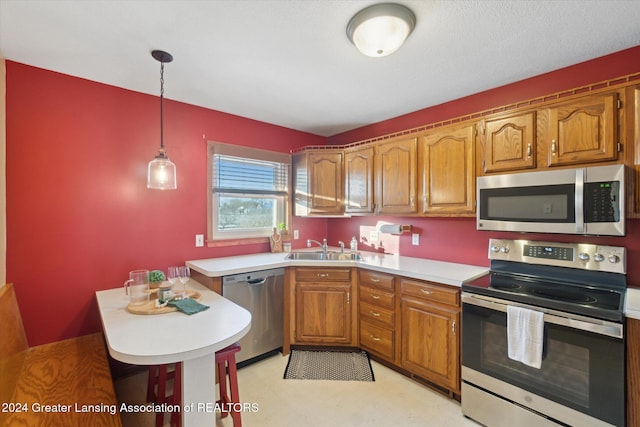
column 249, row 191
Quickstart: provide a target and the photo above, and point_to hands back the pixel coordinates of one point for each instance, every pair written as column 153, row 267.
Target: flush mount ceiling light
column 381, row 29
column 161, row 173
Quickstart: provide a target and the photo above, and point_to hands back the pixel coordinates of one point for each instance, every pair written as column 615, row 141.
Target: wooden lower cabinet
column 377, row 302
column 412, row 325
column 377, row 339
column 323, row 306
column 430, row 338
column 323, row 313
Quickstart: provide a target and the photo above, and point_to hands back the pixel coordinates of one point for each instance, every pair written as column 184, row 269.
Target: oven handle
column 597, row 326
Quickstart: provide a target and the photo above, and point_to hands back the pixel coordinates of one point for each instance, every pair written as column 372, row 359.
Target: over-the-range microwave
column 570, row 201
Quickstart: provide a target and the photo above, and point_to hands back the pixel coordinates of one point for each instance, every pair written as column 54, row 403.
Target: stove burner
column 564, row 295
column 506, row 286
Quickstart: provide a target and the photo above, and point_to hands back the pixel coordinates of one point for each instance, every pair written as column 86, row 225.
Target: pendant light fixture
column 381, row 29
column 161, row 173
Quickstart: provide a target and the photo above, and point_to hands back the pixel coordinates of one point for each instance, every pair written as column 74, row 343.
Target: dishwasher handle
column 256, row 282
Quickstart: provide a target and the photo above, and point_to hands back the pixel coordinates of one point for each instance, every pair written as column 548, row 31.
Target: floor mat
column 329, row 365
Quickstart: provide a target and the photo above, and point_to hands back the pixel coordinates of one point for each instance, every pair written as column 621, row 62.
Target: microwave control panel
column 602, row 201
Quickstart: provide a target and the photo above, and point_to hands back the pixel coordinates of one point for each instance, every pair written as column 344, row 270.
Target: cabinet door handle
column 348, row 297
column 553, row 147
column 374, row 338
column 376, row 297
column 426, row 292
column 453, row 327
column 374, row 314
column 528, row 150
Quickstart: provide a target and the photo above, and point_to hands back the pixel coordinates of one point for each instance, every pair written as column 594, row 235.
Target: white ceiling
column 290, row 63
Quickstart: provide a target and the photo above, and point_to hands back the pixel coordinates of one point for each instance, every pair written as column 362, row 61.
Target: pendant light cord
column 161, row 109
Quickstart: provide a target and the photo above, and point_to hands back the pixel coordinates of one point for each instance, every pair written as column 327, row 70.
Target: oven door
column 581, row 381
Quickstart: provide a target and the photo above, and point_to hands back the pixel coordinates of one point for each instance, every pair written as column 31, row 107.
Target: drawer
column 377, row 297
column 378, row 314
column 377, row 339
column 323, row 274
column 431, row 292
column 372, row 278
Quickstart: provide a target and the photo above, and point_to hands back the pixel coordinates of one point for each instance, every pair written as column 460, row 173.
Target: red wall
column 79, row 215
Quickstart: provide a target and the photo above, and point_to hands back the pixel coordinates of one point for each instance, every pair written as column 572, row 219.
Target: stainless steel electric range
column 580, row 289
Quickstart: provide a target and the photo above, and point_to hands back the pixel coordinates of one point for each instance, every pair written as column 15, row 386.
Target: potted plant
column 282, row 229
column 156, row 277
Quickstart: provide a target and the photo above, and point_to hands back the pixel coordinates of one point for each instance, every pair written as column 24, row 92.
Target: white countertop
column 632, row 303
column 170, row 337
column 176, row 337
column 417, row 268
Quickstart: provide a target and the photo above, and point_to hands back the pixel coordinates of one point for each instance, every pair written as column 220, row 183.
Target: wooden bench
column 65, row 383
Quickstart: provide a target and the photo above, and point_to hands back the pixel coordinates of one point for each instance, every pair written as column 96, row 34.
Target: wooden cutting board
column 150, row 307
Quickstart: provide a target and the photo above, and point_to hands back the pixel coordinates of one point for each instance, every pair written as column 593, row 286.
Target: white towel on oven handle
column 525, row 335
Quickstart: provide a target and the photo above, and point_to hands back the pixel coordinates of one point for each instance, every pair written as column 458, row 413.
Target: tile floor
column 391, row 400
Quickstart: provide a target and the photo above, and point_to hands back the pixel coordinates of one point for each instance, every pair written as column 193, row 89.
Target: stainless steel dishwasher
column 261, row 293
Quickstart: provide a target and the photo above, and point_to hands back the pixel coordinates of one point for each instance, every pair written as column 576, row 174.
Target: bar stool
column 159, row 375
column 226, row 362
column 229, row 396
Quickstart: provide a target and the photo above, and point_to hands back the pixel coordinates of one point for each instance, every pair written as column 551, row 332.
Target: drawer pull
column 376, row 297
column 426, row 292
column 323, row 274
column 374, row 280
column 374, row 314
column 374, row 338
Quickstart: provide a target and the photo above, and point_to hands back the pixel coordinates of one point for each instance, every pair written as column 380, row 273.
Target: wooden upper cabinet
column 396, row 176
column 583, row 130
column 633, row 156
column 448, row 170
column 509, row 142
column 358, row 174
column 318, row 182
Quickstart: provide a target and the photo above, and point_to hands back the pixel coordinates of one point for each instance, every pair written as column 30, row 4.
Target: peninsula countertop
column 176, row 337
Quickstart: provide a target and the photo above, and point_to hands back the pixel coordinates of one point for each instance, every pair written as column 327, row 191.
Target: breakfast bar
column 176, row 337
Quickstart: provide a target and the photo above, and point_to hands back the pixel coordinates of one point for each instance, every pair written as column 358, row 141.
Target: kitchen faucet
column 323, row 245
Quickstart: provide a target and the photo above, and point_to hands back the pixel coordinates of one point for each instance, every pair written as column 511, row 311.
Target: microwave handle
column 579, row 200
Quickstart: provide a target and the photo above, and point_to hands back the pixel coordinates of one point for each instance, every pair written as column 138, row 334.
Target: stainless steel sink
column 322, row 256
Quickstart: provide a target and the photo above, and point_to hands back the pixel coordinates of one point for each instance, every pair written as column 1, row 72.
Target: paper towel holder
column 394, row 228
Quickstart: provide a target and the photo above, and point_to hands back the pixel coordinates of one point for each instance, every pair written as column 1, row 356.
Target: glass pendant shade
column 381, row 29
column 161, row 173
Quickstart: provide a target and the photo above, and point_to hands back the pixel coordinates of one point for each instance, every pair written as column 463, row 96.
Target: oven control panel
column 574, row 255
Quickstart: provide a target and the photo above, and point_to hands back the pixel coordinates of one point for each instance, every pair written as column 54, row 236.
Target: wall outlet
column 296, row 234
column 373, row 236
column 415, row 239
column 199, row 240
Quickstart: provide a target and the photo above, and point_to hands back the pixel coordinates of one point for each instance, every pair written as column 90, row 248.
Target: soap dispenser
column 354, row 244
